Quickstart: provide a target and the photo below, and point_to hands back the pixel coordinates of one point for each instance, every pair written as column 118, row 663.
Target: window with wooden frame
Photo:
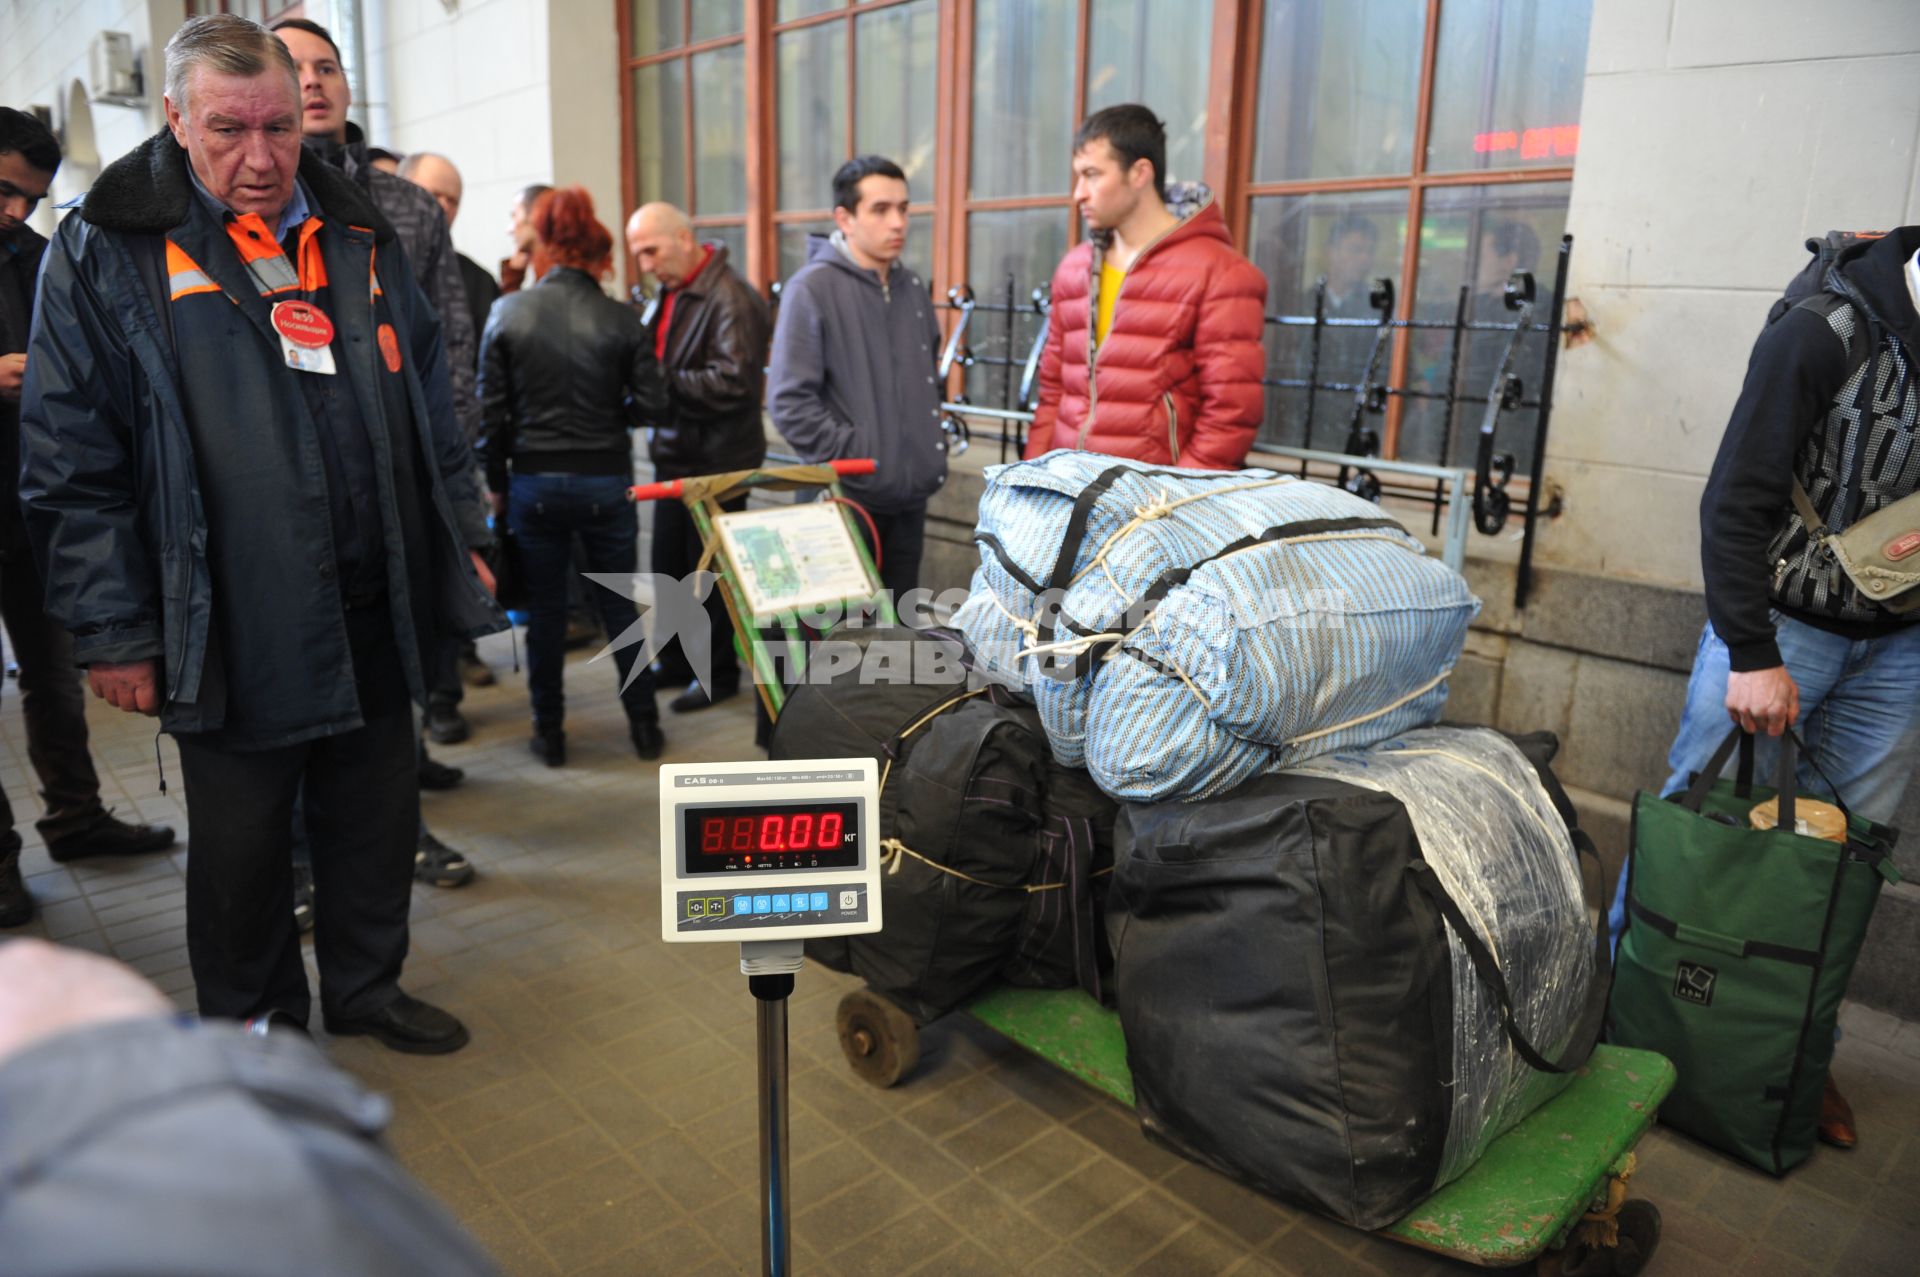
column 684, row 130
column 1431, row 142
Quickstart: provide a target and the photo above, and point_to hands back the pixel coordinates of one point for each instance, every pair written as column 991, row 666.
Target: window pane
column 1022, row 97
column 720, row 130
column 715, row 18
column 1026, row 244
column 788, row 10
column 1339, row 81
column 1155, row 53
column 793, row 243
column 918, row 256
column 734, row 237
column 1475, row 236
column 656, row 26
column 659, row 132
column 813, row 112
column 1349, row 240
column 1507, row 82
column 894, row 89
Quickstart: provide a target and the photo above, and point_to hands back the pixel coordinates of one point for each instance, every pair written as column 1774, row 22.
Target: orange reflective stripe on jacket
column 266, row 262
column 184, row 276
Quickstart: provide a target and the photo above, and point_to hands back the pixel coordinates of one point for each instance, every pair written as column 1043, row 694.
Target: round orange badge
column 390, row 347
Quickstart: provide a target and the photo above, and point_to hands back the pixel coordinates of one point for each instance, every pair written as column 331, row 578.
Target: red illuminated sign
column 1561, row 140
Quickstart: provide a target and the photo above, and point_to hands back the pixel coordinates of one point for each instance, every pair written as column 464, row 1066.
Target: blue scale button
column 742, row 904
column 763, row 904
column 819, row 902
column 782, row 904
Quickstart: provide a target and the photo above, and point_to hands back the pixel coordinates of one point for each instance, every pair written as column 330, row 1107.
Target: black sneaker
column 446, row 725
column 440, row 865
column 16, row 903
column 648, row 740
column 549, row 747
column 110, row 837
column 437, row 775
column 475, row 672
column 303, row 898
column 697, row 697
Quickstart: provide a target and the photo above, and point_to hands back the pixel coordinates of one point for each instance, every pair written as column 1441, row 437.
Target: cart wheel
column 1639, row 1237
column 881, row 1041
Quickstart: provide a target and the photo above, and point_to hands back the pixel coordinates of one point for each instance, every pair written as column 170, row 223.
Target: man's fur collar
column 148, row 191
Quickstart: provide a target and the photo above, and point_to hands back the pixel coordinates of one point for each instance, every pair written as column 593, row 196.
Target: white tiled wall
column 1715, row 136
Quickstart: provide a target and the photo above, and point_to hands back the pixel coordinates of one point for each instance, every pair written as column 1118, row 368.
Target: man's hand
column 46, row 990
column 13, row 373
column 133, row 686
column 498, row 500
column 486, row 573
column 1763, row 700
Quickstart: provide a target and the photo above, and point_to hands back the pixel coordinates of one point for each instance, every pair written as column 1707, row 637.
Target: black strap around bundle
column 1587, row 1032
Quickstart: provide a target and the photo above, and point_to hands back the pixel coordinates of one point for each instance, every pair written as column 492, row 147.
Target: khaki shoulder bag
column 1880, row 554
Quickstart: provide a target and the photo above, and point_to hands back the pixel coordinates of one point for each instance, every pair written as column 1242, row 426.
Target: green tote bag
column 1738, row 946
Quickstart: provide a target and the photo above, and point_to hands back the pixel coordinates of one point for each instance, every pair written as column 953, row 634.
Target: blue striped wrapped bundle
column 1184, row 630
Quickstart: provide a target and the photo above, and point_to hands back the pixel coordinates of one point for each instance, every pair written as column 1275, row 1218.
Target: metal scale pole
column 769, row 966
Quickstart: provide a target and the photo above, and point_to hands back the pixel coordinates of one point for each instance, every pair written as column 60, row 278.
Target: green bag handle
column 1792, row 748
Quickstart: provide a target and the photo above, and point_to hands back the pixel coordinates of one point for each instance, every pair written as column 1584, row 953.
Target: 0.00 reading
column 797, row 831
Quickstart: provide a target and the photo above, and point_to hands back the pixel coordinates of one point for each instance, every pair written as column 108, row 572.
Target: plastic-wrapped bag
column 1182, row 631
column 1301, row 1006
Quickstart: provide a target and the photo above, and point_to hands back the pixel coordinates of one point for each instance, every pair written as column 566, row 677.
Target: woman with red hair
column 566, row 373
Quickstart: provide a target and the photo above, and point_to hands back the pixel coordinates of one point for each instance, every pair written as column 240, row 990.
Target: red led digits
column 829, row 838
column 773, row 833
column 713, row 833
column 742, row 834
column 801, row 831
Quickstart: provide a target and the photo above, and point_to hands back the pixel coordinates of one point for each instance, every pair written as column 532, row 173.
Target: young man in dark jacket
column 709, row 331
column 1829, row 401
column 854, row 363
column 75, row 823
column 242, row 475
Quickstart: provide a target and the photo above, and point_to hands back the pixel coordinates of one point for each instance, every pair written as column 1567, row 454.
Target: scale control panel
column 769, row 851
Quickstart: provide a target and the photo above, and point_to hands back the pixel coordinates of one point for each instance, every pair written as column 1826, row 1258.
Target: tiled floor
column 603, row 1121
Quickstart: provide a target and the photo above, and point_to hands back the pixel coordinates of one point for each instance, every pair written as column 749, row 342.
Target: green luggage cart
column 1552, row 1191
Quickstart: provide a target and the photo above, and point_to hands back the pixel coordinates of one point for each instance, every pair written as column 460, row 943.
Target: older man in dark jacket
column 240, row 468
column 710, row 331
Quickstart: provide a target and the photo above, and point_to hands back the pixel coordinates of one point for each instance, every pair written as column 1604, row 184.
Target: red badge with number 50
column 303, row 323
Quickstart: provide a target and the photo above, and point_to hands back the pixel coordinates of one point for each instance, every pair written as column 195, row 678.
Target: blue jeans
column 1859, row 718
column 546, row 511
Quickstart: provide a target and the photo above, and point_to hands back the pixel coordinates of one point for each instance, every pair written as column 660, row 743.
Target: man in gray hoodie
column 854, row 359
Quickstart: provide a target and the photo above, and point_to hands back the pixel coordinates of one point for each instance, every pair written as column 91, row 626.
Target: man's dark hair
column 29, row 139
column 382, row 153
column 311, row 28
column 1134, row 133
column 1353, row 224
column 1515, row 239
column 846, row 183
column 528, row 194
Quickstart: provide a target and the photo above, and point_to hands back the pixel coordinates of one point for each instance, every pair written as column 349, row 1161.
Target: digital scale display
column 772, row 837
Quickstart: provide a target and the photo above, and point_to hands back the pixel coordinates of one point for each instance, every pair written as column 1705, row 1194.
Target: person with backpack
column 1823, row 436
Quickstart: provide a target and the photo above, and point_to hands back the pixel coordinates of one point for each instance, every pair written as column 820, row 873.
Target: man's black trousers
column 676, row 552
column 363, row 817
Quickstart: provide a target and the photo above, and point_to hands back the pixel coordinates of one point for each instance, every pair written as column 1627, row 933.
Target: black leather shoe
column 16, row 903
column 697, row 697
column 665, row 675
column 405, row 1024
column 648, row 740
column 446, row 725
column 437, row 775
column 110, row 837
column 549, row 747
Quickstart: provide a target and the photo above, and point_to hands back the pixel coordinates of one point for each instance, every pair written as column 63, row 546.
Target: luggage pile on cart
column 1185, row 826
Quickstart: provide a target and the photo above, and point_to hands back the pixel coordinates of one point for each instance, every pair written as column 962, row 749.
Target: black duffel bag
column 1063, row 936
column 962, row 771
column 1286, row 962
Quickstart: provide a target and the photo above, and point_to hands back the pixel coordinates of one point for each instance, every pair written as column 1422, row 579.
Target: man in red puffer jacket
column 1155, row 348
